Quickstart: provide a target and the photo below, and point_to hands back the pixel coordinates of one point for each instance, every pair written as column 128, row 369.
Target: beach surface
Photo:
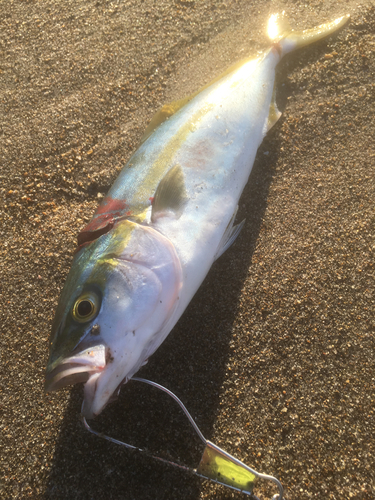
column 275, row 355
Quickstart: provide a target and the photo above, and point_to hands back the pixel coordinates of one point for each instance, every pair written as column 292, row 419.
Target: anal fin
column 274, row 113
column 229, row 236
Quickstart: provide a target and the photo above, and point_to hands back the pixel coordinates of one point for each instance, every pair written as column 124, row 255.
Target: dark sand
column 275, row 355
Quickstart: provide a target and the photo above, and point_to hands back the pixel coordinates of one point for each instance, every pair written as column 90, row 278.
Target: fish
column 169, row 215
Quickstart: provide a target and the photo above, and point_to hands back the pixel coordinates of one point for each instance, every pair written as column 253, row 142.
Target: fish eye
column 85, row 308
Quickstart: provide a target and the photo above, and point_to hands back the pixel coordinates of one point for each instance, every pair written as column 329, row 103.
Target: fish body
column 168, row 216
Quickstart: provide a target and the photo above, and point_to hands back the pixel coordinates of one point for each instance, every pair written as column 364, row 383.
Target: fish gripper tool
column 216, row 464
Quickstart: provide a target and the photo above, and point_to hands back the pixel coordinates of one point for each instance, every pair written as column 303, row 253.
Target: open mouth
column 77, row 368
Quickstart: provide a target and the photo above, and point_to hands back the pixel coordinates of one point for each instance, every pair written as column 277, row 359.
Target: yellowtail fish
column 169, row 215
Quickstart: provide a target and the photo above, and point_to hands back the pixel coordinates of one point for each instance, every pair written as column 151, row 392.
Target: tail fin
column 280, row 32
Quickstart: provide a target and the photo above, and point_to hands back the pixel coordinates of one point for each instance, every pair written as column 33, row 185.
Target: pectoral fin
column 229, row 236
column 170, row 195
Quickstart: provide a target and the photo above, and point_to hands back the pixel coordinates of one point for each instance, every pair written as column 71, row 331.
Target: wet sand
column 274, row 357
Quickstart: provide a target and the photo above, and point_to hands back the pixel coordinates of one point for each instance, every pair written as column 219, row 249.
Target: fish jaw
column 125, row 359
column 77, row 368
column 101, row 371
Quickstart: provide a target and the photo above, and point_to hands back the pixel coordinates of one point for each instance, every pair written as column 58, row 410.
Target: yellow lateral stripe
column 172, row 107
column 165, row 160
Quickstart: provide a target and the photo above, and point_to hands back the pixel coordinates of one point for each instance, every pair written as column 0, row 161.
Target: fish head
column 115, row 309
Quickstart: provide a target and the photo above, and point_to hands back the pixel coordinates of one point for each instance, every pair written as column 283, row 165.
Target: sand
column 274, row 357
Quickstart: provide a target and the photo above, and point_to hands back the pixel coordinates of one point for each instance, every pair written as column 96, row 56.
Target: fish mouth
column 86, row 366
column 77, row 368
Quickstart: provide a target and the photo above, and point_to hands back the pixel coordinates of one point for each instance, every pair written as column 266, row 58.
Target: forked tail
column 280, row 32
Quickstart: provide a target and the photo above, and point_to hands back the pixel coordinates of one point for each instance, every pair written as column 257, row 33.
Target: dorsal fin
column 170, row 194
column 164, row 113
